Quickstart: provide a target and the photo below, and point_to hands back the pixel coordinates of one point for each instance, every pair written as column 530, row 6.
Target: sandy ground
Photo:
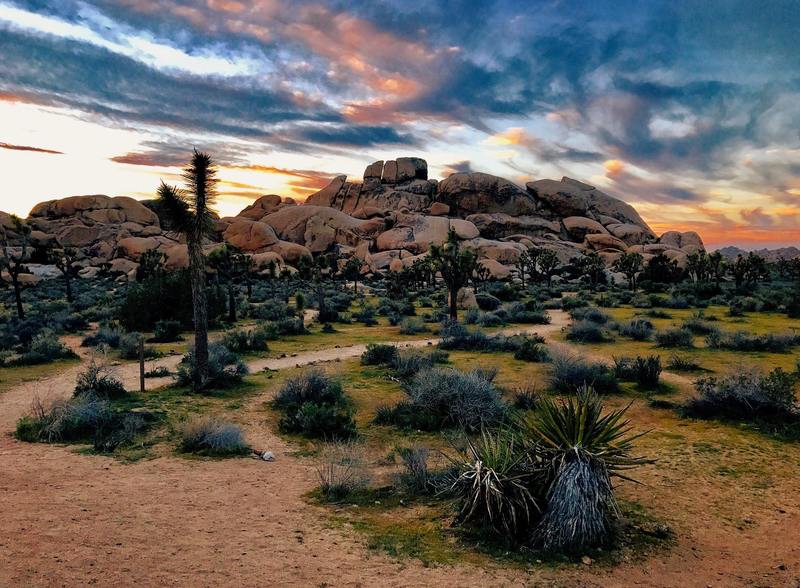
column 70, row 520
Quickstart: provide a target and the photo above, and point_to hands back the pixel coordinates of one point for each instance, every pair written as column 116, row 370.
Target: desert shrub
column 341, row 470
column 699, row 325
column 314, row 405
column 487, row 301
column 407, row 364
column 247, row 340
column 658, row 313
column 45, row 347
column 98, row 382
column 588, row 313
column 525, row 398
column 271, row 310
column 64, row 420
column 645, row 371
column 584, row 448
column 366, row 315
column 532, row 314
column 212, row 436
column 225, row 368
column 683, row 363
column 532, row 349
column 746, row 395
column 571, row 373
column 493, row 486
column 744, row 341
column 416, row 477
column 167, row 331
column 158, row 372
column 129, row 346
column 412, row 326
column 288, row 326
column 490, row 319
column 105, row 335
column 379, row 354
column 586, row 331
column 456, row 336
column 121, row 430
column 675, row 337
column 571, row 302
column 638, row 329
column 456, row 398
column 406, row 415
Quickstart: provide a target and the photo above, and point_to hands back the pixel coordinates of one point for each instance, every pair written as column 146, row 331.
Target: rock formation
column 387, row 220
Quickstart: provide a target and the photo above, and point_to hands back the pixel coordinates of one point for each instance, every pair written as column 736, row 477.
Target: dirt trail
column 72, row 519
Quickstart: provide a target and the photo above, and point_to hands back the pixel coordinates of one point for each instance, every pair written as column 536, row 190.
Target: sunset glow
column 674, row 111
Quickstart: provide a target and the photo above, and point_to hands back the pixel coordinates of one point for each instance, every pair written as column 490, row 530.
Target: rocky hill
column 387, row 220
column 771, row 255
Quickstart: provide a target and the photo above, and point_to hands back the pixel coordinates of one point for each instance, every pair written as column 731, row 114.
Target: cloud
column 25, row 148
column 352, row 135
column 457, row 167
column 160, row 154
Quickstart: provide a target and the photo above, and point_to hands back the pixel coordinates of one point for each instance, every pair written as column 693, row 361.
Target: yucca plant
column 493, row 484
column 584, row 448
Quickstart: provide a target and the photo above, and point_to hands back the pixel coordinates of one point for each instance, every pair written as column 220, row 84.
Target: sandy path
column 70, row 519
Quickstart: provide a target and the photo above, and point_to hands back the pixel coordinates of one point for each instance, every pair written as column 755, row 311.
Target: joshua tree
column 716, row 267
column 13, row 263
column 64, row 260
column 189, row 213
column 482, row 276
column 546, row 263
column 227, row 261
column 630, row 264
column 455, row 266
column 352, row 271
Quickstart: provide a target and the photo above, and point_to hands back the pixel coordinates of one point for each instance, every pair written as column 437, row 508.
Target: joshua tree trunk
column 454, row 304
column 197, row 271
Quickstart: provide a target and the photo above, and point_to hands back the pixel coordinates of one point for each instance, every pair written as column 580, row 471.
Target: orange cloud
column 511, row 136
column 614, row 167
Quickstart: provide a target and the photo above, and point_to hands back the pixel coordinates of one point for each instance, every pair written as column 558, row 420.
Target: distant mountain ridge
column 732, row 252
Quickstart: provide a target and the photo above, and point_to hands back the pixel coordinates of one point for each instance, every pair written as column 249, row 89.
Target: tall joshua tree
column 456, row 267
column 188, row 212
column 14, row 263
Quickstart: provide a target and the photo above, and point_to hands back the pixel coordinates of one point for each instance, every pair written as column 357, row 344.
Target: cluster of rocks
column 388, row 220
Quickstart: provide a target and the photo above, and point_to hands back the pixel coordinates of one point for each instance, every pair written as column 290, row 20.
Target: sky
column 688, row 110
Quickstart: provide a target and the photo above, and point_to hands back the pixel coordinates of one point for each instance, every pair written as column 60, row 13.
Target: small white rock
column 268, row 456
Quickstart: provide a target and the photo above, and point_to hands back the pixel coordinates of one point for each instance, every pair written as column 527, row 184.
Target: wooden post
column 141, row 364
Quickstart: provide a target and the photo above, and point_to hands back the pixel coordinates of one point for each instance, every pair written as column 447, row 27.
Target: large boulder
column 497, row 270
column 96, row 209
column 573, row 198
column 318, row 227
column 599, row 242
column 580, row 226
column 688, row 242
column 264, row 206
column 469, row 193
column 249, row 235
column 416, row 233
column 499, row 224
column 505, row 252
